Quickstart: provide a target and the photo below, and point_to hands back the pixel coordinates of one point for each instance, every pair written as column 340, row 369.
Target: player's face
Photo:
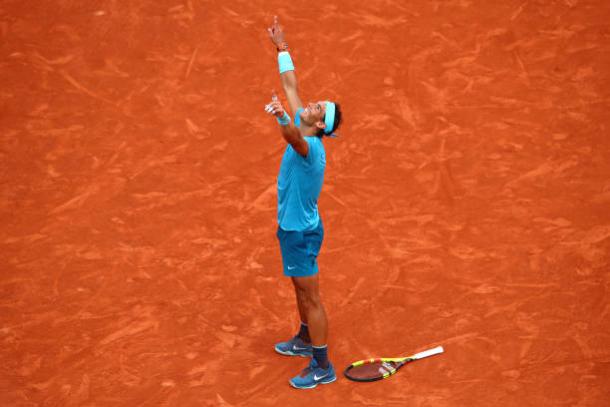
column 314, row 112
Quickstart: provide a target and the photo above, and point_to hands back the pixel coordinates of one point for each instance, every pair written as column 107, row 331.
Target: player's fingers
column 275, row 106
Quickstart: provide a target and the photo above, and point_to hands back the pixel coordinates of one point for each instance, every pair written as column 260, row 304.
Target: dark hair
column 336, row 123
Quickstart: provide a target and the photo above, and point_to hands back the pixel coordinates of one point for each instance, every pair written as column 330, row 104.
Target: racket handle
column 429, row 352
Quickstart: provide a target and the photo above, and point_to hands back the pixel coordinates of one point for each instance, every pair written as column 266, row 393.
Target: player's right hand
column 275, row 106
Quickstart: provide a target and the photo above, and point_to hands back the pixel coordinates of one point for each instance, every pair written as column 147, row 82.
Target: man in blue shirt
column 300, row 230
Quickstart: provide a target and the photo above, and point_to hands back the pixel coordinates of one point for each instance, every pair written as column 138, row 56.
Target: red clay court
column 466, row 202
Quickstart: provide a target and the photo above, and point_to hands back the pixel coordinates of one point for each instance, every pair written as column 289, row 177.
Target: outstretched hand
column 275, row 106
column 276, row 34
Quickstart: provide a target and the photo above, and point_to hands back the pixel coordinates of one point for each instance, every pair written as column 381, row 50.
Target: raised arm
column 288, row 77
column 291, row 134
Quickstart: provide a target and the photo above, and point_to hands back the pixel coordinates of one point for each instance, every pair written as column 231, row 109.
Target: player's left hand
column 275, row 106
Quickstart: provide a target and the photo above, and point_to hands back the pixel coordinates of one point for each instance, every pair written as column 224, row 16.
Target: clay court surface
column 466, row 201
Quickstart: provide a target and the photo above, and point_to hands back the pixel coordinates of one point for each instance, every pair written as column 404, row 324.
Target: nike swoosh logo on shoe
column 295, row 347
column 315, row 377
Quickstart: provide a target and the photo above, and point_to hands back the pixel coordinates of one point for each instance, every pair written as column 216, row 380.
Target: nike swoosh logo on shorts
column 291, row 267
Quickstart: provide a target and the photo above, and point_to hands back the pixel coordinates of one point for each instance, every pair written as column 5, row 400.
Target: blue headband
column 329, row 119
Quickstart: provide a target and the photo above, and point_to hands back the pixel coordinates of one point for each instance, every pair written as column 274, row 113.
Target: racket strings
column 371, row 370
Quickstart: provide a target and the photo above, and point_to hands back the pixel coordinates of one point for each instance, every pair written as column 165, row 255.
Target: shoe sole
column 314, row 385
column 290, row 353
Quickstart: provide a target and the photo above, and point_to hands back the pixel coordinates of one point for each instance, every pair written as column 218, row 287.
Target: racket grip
column 429, row 352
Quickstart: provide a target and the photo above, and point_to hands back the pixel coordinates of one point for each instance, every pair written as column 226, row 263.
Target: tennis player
column 300, row 231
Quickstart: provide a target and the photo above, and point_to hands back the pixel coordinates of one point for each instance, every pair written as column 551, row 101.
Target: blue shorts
column 300, row 250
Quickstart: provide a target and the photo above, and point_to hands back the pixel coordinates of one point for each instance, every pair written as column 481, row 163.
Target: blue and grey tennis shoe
column 314, row 375
column 294, row 347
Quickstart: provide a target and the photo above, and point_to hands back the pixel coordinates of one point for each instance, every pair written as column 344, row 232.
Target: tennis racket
column 370, row 370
